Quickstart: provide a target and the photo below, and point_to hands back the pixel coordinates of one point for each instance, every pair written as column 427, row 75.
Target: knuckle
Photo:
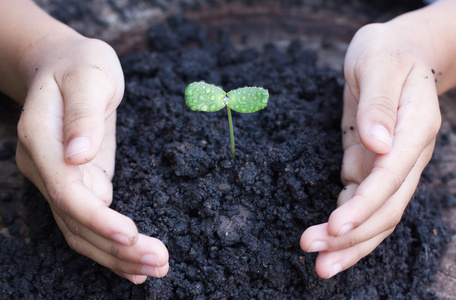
column 57, row 194
column 431, row 118
column 102, row 46
column 375, row 32
column 71, row 224
column 76, row 112
column 395, row 177
column 394, row 219
column 435, row 126
column 372, row 29
column 22, row 127
column 114, row 251
column 21, row 161
column 74, row 242
column 391, row 230
column 26, row 125
column 88, row 73
column 353, row 240
column 397, row 180
column 383, row 107
column 72, row 77
column 115, row 264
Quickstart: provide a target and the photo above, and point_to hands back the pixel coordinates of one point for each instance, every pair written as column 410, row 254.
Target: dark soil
column 232, row 227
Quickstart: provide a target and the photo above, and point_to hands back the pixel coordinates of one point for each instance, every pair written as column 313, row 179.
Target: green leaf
column 248, row 99
column 204, row 97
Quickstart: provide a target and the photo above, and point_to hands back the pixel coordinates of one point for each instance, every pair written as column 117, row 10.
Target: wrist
column 26, row 33
column 429, row 32
column 41, row 52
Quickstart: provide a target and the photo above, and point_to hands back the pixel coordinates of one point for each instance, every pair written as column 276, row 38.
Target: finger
column 96, row 180
column 86, row 93
column 151, row 253
column 27, row 167
column 136, row 279
column 375, row 78
column 84, row 207
column 329, row 264
column 120, row 256
column 418, row 124
column 85, row 248
column 346, row 193
column 69, row 195
column 315, row 238
column 62, row 184
column 357, row 161
column 91, row 84
column 387, row 217
column 102, row 189
column 350, row 110
column 356, row 164
column 378, row 187
column 146, row 250
column 106, row 158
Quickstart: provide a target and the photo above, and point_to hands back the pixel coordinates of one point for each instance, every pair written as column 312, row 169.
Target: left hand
column 67, row 148
column 390, row 122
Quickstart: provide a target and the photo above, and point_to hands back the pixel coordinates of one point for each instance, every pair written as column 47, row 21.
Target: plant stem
column 231, row 130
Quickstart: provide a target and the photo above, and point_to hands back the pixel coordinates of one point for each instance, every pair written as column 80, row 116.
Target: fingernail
column 336, row 268
column 150, row 271
column 77, row 145
column 344, row 229
column 381, row 133
column 150, row 259
column 318, row 246
column 121, row 239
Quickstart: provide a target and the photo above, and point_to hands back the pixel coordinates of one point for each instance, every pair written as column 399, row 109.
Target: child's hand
column 390, row 122
column 66, row 148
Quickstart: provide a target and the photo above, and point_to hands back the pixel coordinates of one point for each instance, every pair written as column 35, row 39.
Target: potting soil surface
column 232, row 226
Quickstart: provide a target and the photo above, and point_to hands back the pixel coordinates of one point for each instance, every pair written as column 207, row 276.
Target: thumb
column 375, row 74
column 376, row 120
column 89, row 99
column 83, row 132
column 377, row 86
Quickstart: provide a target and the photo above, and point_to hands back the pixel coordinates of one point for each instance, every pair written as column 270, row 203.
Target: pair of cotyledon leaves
column 207, row 97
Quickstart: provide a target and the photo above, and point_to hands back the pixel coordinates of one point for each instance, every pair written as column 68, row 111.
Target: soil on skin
column 232, row 227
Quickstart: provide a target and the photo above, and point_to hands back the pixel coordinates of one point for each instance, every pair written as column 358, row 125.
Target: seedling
column 208, row 97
